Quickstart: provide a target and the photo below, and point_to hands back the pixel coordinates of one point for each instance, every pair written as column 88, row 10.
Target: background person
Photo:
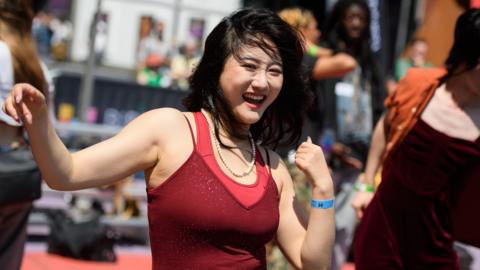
column 416, row 56
column 410, row 221
column 183, row 64
column 350, row 107
column 19, row 62
column 319, row 63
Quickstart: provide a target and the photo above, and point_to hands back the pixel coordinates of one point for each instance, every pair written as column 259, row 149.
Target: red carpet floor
column 44, row 261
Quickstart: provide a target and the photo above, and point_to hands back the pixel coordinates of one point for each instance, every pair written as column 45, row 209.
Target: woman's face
column 311, row 32
column 251, row 82
column 354, row 21
column 419, row 51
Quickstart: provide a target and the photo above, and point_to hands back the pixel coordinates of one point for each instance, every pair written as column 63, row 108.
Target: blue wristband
column 323, row 204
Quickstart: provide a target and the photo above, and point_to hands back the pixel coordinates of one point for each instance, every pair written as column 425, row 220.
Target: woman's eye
column 275, row 72
column 249, row 66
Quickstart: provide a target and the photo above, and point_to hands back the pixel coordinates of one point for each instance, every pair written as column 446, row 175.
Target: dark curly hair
column 281, row 124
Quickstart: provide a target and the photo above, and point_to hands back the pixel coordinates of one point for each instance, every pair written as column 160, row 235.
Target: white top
column 7, row 81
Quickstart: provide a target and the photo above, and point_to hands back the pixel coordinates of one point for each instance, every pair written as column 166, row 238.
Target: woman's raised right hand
column 24, row 103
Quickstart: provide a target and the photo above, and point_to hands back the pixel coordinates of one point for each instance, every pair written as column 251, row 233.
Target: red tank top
column 201, row 219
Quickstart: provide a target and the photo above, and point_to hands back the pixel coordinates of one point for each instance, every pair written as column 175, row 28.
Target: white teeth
column 254, row 97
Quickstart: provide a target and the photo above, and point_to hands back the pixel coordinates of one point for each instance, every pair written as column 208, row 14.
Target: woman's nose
column 260, row 80
column 357, row 21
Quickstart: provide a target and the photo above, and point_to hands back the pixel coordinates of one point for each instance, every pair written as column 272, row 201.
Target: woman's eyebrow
column 249, row 58
column 258, row 61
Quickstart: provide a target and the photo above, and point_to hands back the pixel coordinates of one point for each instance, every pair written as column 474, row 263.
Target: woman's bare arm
column 137, row 147
column 308, row 244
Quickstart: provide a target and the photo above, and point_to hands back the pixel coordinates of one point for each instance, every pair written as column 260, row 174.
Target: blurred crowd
column 157, row 64
column 53, row 34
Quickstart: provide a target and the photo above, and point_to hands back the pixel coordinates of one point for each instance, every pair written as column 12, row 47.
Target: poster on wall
column 152, row 53
column 197, row 29
column 151, row 38
column 59, row 7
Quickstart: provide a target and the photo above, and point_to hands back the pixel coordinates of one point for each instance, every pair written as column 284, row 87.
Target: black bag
column 20, row 178
column 89, row 240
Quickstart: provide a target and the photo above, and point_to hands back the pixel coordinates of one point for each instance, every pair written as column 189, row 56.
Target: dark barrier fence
column 115, row 102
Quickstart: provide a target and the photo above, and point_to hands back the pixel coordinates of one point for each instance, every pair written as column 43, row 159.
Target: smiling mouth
column 356, row 32
column 254, row 99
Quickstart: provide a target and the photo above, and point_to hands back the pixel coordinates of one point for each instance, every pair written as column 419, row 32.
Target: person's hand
column 391, row 85
column 361, row 201
column 310, row 160
column 24, row 103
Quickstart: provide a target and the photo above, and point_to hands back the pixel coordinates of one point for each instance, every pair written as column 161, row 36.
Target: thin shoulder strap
column 268, row 161
column 191, row 132
column 204, row 145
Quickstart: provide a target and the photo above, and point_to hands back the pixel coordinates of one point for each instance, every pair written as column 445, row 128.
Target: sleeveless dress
column 198, row 221
column 408, row 224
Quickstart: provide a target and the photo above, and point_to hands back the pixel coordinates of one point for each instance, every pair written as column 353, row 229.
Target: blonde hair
column 296, row 17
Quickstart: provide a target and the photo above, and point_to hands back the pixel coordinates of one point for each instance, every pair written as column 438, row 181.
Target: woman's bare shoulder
column 162, row 123
column 162, row 118
column 165, row 113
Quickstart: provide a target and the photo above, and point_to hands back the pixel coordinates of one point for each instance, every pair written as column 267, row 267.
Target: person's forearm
column 334, row 66
column 317, row 247
column 53, row 158
column 375, row 154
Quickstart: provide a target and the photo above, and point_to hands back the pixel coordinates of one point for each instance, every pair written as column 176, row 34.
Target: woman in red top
column 216, row 192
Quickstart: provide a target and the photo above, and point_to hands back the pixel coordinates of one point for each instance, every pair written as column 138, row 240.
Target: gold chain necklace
column 220, row 153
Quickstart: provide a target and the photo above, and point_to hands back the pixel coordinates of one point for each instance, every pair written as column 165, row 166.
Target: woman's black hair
column 281, row 123
column 466, row 45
